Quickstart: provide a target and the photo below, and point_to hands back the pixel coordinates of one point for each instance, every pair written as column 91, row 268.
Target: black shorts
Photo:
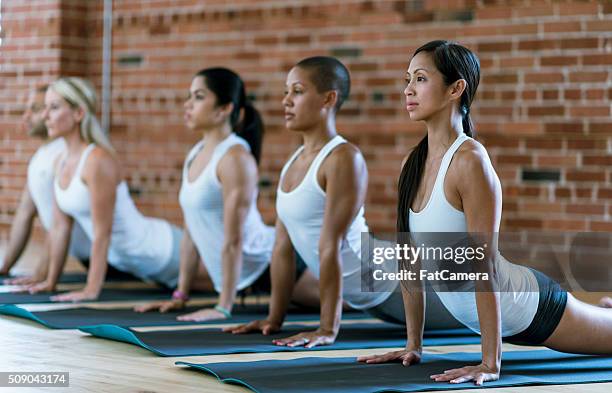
column 263, row 283
column 551, row 306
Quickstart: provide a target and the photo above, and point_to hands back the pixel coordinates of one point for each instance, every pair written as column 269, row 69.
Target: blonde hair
column 80, row 93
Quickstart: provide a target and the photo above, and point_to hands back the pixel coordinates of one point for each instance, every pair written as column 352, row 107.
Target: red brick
column 537, row 45
column 603, row 226
column 573, row 9
column 561, row 27
column 559, row 61
column 600, row 59
column 521, row 159
column 585, row 144
column 497, row 12
column 565, row 225
column 546, row 111
column 590, row 111
column 579, row 43
column 581, row 76
column 535, row 10
column 501, row 46
column 543, row 77
column 604, row 193
column 524, row 223
column 550, row 94
column 542, row 207
column 599, row 25
column 595, row 94
column 563, row 193
column 584, row 192
column 605, row 160
column 585, row 176
column 557, row 161
column 544, row 143
column 586, row 209
column 600, row 128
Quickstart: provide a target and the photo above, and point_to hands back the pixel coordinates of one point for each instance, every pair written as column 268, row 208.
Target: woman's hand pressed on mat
column 308, row 339
column 479, row 374
column 77, row 296
column 25, row 280
column 44, row 286
column 163, row 306
column 406, row 356
column 266, row 327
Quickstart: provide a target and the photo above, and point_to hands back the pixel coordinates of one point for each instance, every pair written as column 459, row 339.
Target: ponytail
column 408, row 184
column 246, row 122
column 251, row 130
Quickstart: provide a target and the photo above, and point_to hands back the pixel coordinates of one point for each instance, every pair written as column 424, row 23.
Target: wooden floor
column 97, row 365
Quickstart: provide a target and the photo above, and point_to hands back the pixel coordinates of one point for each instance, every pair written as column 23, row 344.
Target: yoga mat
column 76, row 277
column 316, row 374
column 106, row 295
column 215, row 342
column 75, row 317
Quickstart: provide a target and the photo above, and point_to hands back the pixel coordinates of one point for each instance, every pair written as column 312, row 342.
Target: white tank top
column 139, row 245
column 40, row 187
column 518, row 296
column 302, row 210
column 202, row 204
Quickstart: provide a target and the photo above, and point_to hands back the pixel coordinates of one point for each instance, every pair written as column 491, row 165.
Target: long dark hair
column 228, row 87
column 454, row 62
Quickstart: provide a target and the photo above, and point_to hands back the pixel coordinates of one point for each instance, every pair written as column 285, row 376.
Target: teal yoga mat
column 84, row 316
column 346, row 375
column 207, row 341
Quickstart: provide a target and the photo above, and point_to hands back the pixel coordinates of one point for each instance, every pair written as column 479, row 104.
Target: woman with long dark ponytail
column 448, row 184
column 218, row 197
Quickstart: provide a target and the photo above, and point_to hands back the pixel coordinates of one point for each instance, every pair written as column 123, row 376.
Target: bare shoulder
column 237, row 155
column 237, row 161
column 345, row 154
column 471, row 155
column 472, row 167
column 102, row 163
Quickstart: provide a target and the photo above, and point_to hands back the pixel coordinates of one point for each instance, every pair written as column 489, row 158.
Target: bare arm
column 59, row 238
column 189, row 262
column 346, row 186
column 345, row 183
column 238, row 175
column 482, row 202
column 101, row 175
column 282, row 274
column 21, row 229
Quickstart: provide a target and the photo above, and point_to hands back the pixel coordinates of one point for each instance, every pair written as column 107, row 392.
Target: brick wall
column 543, row 108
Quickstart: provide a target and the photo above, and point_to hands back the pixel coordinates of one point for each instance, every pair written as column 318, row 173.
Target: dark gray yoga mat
column 106, row 295
column 195, row 342
column 77, row 277
column 73, row 318
column 346, row 375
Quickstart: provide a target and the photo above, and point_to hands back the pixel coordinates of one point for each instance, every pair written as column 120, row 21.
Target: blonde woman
column 89, row 189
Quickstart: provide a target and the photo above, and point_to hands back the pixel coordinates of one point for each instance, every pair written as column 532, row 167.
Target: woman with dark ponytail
column 219, row 198
column 448, row 184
